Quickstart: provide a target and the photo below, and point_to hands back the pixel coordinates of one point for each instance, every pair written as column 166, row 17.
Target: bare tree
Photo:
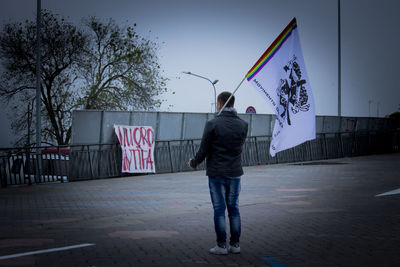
column 99, row 67
column 61, row 45
column 120, row 69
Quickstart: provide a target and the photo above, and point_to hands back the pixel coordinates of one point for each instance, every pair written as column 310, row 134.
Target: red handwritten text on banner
column 137, row 145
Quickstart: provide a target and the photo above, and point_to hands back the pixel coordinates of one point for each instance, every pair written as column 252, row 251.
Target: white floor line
column 44, row 251
column 393, row 192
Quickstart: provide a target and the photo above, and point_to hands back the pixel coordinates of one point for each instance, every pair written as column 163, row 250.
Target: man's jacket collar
column 227, row 111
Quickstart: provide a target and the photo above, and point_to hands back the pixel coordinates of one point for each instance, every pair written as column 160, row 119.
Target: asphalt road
column 324, row 213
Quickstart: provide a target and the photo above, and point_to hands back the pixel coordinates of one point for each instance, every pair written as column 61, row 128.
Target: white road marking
column 393, row 192
column 44, row 251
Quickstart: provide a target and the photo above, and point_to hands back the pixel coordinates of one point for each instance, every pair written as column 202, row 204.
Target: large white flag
column 281, row 78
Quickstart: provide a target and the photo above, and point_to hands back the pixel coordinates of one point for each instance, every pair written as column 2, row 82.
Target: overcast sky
column 222, row 39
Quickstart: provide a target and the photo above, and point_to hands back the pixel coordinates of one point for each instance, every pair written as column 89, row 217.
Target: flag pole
column 227, row 101
column 339, row 66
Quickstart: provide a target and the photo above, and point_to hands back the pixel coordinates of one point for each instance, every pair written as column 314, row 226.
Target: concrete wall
column 97, row 127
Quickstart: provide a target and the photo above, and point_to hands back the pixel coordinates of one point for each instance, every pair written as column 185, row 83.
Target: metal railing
column 95, row 161
column 25, row 166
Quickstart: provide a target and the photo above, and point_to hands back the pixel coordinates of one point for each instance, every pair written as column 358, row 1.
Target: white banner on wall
column 137, row 146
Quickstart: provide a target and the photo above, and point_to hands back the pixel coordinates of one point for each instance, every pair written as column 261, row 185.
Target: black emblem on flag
column 291, row 91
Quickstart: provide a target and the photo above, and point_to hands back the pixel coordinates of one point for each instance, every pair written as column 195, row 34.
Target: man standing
column 221, row 145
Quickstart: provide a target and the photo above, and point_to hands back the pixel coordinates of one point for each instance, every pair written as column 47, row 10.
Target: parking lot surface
column 341, row 212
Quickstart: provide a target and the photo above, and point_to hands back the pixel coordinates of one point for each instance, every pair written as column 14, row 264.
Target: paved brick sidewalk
column 324, row 214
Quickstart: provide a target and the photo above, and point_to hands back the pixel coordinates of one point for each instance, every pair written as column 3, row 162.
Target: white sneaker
column 217, row 250
column 234, row 249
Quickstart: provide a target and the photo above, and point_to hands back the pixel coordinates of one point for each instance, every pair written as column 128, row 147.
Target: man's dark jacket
column 222, row 144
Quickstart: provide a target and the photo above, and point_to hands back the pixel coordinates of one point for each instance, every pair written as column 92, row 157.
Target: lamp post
column 213, row 84
column 377, row 108
column 339, row 65
column 369, row 107
column 38, row 94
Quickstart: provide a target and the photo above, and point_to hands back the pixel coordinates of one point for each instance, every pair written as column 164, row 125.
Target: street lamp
column 213, row 84
column 38, row 94
column 369, row 107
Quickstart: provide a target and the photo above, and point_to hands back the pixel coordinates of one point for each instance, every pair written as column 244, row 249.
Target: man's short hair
column 223, row 97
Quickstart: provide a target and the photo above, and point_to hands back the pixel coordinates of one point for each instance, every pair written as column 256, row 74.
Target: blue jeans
column 225, row 194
